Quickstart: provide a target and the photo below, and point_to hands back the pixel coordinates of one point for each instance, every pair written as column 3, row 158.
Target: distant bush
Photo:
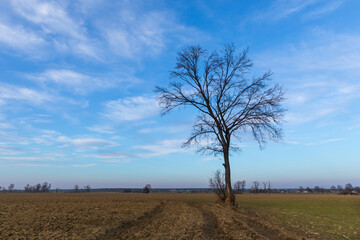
column 217, row 184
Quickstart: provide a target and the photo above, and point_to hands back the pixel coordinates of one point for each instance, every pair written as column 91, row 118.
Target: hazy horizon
column 77, row 101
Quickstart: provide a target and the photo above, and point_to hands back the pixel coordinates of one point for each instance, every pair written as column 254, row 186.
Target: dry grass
column 318, row 216
column 177, row 216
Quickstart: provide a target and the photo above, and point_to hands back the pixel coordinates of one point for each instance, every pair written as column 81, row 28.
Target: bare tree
column 76, row 188
column 147, row 188
column 11, row 187
column 255, row 187
column 45, row 187
column 239, row 186
column 269, row 187
column 339, row 189
column 348, row 188
column 87, row 188
column 217, row 184
column 27, row 188
column 228, row 102
column 243, row 185
column 265, row 186
column 37, row 187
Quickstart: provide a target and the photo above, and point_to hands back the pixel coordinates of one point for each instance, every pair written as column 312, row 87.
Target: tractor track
column 118, row 231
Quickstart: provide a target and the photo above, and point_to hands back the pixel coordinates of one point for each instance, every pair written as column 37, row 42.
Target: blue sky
column 77, row 104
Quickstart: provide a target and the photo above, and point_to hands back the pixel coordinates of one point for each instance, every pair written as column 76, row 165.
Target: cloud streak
column 281, row 9
column 25, row 95
column 18, row 38
column 53, row 21
column 163, row 147
column 74, row 81
column 325, row 141
column 321, row 77
column 131, row 109
column 86, row 143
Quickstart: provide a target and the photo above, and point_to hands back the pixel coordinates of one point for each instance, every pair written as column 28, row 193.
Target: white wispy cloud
column 323, row 50
column 54, row 23
column 321, row 76
column 131, row 109
column 285, row 8
column 74, row 81
column 9, row 150
column 18, row 38
column 87, row 143
column 25, row 95
column 209, row 158
column 312, row 114
column 15, row 97
column 296, row 99
column 32, row 165
column 325, row 141
column 280, row 9
column 105, row 128
column 31, row 158
column 306, row 9
column 139, row 32
column 4, row 125
column 326, row 8
column 178, row 128
column 163, row 147
column 112, row 155
column 72, row 28
column 84, row 165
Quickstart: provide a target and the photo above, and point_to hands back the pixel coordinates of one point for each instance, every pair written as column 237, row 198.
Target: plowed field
column 137, row 216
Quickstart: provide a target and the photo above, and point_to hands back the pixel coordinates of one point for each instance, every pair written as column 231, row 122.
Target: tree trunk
column 230, row 197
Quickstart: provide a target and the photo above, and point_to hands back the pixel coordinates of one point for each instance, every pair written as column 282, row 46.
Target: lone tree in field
column 228, row 102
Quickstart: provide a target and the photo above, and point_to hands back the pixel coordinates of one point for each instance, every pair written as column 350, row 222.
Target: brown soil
column 129, row 216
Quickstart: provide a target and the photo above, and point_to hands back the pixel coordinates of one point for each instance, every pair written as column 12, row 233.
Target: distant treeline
column 238, row 187
column 217, row 185
column 43, row 188
column 339, row 189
